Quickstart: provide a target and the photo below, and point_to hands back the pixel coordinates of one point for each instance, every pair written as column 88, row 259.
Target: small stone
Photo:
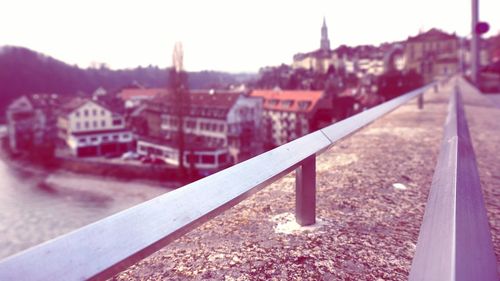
column 399, row 186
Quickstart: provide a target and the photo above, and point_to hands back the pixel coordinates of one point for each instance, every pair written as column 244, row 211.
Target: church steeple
column 325, row 42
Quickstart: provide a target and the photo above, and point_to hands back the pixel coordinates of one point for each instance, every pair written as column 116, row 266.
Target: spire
column 325, row 42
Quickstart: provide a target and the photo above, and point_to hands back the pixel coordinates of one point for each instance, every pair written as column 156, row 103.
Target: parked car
column 145, row 159
column 130, row 155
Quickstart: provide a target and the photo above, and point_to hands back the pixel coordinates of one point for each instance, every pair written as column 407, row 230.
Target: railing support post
column 305, row 192
column 421, row 101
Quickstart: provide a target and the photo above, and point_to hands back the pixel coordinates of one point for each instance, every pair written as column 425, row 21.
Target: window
column 94, row 124
column 86, row 125
column 142, row 148
column 287, row 103
column 222, row 158
column 94, row 112
column 86, row 112
column 208, row 159
column 154, row 151
column 77, row 114
column 82, row 140
column 93, row 139
column 304, row 104
column 102, row 112
column 117, row 122
column 192, row 158
column 273, row 102
column 78, row 125
column 103, row 123
column 105, row 138
column 116, row 137
column 126, row 136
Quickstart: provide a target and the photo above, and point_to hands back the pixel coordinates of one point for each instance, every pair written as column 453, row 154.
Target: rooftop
column 433, row 34
column 298, row 100
column 133, row 93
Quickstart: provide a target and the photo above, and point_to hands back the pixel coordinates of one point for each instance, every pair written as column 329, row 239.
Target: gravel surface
column 372, row 190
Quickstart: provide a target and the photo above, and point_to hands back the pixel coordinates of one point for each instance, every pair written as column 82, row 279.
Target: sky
column 226, row 35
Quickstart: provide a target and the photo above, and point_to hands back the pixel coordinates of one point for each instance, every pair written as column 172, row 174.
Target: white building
column 90, row 129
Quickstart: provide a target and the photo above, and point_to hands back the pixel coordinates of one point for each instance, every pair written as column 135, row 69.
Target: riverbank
column 156, row 175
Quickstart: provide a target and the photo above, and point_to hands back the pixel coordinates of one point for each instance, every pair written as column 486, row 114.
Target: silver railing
column 455, row 241
column 103, row 248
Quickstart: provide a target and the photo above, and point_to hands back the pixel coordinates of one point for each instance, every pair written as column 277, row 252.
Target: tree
column 178, row 86
column 394, row 83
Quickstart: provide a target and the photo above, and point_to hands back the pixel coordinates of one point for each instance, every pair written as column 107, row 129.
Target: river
column 36, row 205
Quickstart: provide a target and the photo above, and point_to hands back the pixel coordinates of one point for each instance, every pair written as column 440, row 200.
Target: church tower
column 325, row 42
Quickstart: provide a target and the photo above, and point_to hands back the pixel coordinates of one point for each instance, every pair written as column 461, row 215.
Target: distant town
column 203, row 131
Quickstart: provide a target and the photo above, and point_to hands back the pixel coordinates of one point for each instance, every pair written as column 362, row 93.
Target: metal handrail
column 455, row 241
column 101, row 249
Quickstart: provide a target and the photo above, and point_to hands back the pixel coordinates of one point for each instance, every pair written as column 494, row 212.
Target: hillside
column 24, row 71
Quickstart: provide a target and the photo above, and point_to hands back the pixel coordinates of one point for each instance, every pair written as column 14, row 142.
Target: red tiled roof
column 129, row 93
column 73, row 104
column 432, row 35
column 199, row 98
column 203, row 99
column 289, row 100
column 77, row 102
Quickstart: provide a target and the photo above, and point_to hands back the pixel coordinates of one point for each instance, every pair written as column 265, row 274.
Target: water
column 36, row 206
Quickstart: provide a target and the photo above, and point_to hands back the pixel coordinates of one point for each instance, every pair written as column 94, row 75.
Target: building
column 494, row 48
column 133, row 97
column 432, row 54
column 291, row 114
column 465, row 56
column 31, row 123
column 89, row 128
column 220, row 128
column 318, row 60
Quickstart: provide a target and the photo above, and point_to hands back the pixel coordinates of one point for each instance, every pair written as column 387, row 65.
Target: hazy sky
column 220, row 35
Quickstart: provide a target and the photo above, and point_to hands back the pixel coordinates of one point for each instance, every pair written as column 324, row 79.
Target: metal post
column 475, row 42
column 421, row 101
column 305, row 192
